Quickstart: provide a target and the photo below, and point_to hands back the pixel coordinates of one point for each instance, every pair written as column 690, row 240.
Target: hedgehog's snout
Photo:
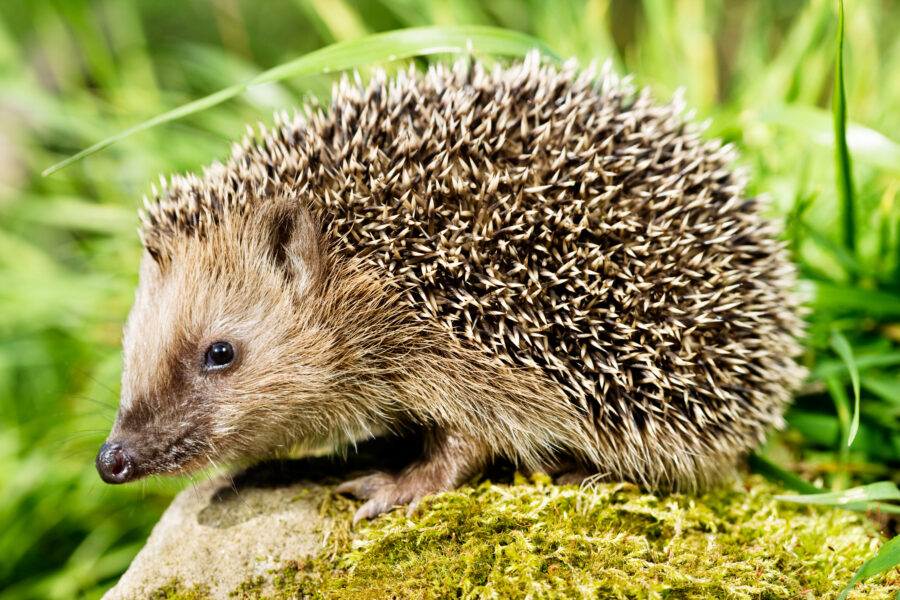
column 114, row 463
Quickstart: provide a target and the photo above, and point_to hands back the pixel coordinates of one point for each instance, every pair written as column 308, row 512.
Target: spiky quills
column 561, row 223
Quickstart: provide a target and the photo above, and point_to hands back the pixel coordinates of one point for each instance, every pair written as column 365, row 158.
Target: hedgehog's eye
column 219, row 355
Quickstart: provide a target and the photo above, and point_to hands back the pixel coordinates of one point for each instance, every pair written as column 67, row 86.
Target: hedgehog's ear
column 295, row 244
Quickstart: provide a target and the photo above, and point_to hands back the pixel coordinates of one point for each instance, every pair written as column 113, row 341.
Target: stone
column 216, row 536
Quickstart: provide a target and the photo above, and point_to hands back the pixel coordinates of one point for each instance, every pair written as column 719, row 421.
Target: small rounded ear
column 295, row 244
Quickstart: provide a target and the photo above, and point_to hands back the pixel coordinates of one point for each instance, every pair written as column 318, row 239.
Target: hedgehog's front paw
column 384, row 492
column 448, row 461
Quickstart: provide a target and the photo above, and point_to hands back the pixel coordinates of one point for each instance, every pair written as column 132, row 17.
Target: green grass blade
column 872, row 497
column 869, row 361
column 853, row 300
column 816, row 427
column 420, row 41
column 865, row 143
column 841, row 152
column 887, row 557
column 874, row 492
column 836, row 249
column 842, row 406
column 840, row 345
column 172, row 115
column 775, row 474
column 887, row 389
column 381, row 47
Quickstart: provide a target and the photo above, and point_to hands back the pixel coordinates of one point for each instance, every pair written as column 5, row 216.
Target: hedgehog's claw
column 371, row 509
column 364, row 488
column 384, row 492
column 367, row 511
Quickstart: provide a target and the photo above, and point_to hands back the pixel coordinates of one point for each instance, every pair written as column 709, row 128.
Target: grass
column 75, row 72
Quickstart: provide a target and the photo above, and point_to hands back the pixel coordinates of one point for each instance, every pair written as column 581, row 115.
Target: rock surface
column 216, row 536
column 277, row 532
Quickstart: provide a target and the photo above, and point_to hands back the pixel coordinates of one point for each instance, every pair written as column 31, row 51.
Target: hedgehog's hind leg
column 449, row 460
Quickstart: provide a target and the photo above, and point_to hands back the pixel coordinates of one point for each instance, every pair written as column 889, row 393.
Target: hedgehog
column 532, row 262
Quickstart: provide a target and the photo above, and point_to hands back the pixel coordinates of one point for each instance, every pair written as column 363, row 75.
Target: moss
column 175, row 591
column 250, row 589
column 612, row 541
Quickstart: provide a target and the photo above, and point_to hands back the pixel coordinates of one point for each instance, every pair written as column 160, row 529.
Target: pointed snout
column 115, row 464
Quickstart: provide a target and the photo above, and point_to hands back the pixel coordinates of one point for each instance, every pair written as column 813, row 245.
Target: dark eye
column 219, row 355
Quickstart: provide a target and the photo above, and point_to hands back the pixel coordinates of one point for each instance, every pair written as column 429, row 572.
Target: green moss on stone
column 175, row 591
column 611, row 541
column 252, row 589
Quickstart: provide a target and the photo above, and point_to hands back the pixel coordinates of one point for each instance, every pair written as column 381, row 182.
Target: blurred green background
column 73, row 72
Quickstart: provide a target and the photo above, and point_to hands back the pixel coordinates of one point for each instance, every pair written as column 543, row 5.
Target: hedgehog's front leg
column 449, row 460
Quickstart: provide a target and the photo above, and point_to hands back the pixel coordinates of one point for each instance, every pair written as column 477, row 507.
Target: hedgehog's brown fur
column 526, row 262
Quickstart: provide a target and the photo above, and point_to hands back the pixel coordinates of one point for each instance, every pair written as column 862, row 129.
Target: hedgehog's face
column 216, row 329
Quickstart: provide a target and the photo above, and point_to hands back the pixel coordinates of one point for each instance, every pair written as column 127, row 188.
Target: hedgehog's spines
column 559, row 221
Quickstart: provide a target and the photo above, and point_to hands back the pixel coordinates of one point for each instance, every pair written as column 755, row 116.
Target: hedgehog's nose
column 114, row 463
